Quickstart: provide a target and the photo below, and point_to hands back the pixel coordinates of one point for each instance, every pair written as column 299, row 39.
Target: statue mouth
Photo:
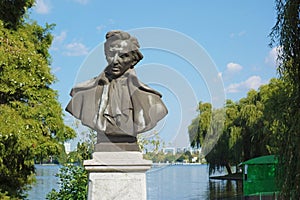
column 115, row 69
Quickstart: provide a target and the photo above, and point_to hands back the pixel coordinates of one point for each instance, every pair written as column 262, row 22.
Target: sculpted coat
column 137, row 110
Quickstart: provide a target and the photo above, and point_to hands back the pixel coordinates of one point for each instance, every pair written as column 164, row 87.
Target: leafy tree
column 207, row 130
column 31, row 121
column 273, row 96
column 256, row 125
column 4, row 196
column 83, row 152
column 73, row 182
column 12, row 11
column 186, row 156
column 170, row 158
column 286, row 35
column 200, row 125
column 242, row 134
column 73, row 177
column 85, row 147
column 251, row 123
column 228, row 146
column 215, row 130
column 150, row 142
column 234, row 133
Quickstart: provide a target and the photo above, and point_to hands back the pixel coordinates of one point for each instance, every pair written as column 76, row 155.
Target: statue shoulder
column 88, row 84
column 135, row 82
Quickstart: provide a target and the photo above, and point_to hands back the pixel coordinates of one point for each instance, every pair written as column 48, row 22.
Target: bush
column 73, row 184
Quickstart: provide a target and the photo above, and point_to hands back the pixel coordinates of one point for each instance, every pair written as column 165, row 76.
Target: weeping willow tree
column 246, row 132
column 199, row 127
column 220, row 154
column 206, row 131
column 286, row 35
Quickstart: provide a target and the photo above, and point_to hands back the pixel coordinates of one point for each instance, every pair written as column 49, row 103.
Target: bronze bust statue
column 116, row 104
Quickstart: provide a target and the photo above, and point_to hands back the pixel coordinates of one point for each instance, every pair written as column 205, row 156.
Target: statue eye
column 125, row 55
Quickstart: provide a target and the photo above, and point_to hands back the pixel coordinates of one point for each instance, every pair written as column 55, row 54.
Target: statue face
column 119, row 58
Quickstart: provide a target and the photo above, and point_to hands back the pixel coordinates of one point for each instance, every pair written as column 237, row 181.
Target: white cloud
column 242, row 33
column 82, row 1
column 42, row 6
column 61, row 37
column 271, row 58
column 58, row 40
column 55, row 69
column 100, row 28
column 233, row 67
column 231, row 70
column 70, row 49
column 239, row 34
column 107, row 25
column 253, row 82
column 76, row 49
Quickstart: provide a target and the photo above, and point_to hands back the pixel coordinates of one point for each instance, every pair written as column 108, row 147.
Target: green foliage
column 16, row 165
column 5, row 196
column 215, row 130
column 74, row 179
column 223, row 153
column 12, row 11
column 186, row 156
column 250, row 128
column 286, row 35
column 200, row 126
column 83, row 152
column 161, row 157
column 156, row 157
column 85, row 147
column 150, row 143
column 251, row 122
column 31, row 124
column 73, row 184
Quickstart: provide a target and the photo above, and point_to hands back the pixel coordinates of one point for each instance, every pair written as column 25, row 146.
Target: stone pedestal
column 117, row 175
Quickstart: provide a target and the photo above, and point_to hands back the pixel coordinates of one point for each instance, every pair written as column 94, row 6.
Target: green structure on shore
column 259, row 176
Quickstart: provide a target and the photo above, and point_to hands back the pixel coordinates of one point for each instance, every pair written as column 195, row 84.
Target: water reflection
column 225, row 189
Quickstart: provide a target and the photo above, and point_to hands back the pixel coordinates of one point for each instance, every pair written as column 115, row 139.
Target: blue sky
column 232, row 36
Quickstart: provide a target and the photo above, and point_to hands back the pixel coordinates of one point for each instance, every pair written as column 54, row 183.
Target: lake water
column 163, row 183
column 189, row 182
column 45, row 181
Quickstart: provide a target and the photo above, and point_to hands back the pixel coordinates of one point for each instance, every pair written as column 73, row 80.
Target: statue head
column 122, row 52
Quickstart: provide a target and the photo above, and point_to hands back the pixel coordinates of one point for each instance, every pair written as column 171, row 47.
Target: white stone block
column 119, row 186
column 117, row 175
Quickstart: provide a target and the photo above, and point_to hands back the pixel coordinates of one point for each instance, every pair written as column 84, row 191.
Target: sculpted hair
column 121, row 35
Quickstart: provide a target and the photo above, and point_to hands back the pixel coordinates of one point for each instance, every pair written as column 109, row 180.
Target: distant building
column 179, row 150
column 170, row 150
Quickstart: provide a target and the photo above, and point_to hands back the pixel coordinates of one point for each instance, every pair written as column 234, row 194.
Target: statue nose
column 116, row 58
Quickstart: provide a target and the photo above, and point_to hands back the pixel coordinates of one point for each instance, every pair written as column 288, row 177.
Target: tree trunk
column 228, row 168
column 246, row 145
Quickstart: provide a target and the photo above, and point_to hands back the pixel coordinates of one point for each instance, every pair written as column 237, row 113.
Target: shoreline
column 234, row 176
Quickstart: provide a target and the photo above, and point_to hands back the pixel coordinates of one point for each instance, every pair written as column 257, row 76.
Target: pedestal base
column 117, row 175
column 125, row 186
